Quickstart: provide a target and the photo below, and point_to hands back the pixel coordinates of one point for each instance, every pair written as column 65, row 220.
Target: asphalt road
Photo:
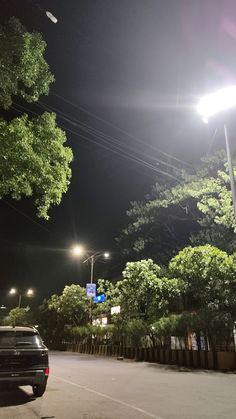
column 89, row 387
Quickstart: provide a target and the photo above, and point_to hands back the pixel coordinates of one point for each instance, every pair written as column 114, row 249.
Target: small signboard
column 100, row 321
column 115, row 310
column 91, row 290
column 99, row 299
column 104, row 321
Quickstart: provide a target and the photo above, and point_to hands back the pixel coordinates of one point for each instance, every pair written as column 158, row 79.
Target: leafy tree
column 89, row 333
column 23, row 69
column 198, row 210
column 112, row 294
column 209, row 297
column 51, row 324
column 72, row 305
column 215, row 326
column 164, row 328
column 209, row 275
column 19, row 317
column 144, row 293
column 135, row 331
column 34, row 160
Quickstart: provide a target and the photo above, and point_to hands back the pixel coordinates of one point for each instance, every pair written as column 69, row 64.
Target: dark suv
column 23, row 358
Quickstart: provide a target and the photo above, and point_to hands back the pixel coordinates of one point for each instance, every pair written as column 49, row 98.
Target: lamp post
column 29, row 293
column 92, row 259
column 79, row 251
column 215, row 103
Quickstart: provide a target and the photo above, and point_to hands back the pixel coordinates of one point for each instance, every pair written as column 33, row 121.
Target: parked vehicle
column 23, row 358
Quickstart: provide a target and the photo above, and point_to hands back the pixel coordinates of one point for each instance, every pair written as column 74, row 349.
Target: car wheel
column 39, row 389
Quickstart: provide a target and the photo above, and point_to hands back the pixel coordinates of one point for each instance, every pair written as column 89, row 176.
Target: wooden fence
column 221, row 360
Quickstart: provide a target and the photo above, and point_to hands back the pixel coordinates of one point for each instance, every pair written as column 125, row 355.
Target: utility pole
column 231, row 171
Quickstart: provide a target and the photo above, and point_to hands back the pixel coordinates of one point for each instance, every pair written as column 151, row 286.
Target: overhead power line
column 94, row 131
column 119, row 129
column 26, row 216
column 110, row 146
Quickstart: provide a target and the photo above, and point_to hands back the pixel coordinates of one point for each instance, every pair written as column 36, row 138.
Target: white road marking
column 105, row 396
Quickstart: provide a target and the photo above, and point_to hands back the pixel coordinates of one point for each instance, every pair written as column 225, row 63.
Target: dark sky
column 129, row 73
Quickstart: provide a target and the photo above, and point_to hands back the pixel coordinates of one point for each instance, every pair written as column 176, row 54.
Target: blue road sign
column 91, row 290
column 99, row 299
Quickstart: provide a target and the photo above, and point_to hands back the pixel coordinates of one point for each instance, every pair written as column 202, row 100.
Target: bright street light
column 29, row 293
column 77, row 250
column 12, row 291
column 42, row 10
column 51, row 17
column 92, row 259
column 215, row 103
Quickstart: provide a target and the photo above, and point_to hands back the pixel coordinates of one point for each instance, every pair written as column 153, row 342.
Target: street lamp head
column 106, row 255
column 217, row 102
column 12, row 291
column 30, row 292
column 77, row 250
column 51, row 17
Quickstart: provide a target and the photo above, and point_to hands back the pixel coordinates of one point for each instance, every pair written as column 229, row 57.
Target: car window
column 19, row 339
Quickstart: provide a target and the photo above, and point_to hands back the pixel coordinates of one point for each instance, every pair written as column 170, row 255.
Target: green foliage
column 77, row 333
column 89, row 334
column 19, row 317
column 198, row 210
column 34, row 160
column 144, row 294
column 130, row 333
column 109, row 288
column 23, row 69
column 136, row 330
column 166, row 326
column 51, row 324
column 201, row 281
column 71, row 306
column 216, row 326
column 209, row 275
column 179, row 324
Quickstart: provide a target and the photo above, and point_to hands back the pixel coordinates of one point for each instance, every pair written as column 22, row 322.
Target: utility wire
column 119, row 129
column 126, row 155
column 114, row 149
column 94, row 131
column 26, row 216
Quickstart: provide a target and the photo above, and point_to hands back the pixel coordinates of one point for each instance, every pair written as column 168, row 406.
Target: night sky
column 128, row 74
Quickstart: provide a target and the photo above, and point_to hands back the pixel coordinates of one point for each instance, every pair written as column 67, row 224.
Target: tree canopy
column 24, row 71
column 209, row 277
column 72, row 305
column 199, row 210
column 19, row 317
column 144, row 292
column 34, row 160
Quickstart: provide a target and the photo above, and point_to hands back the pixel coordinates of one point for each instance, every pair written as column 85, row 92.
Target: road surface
column 90, row 387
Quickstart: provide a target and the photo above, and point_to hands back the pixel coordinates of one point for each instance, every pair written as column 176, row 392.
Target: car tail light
column 46, row 372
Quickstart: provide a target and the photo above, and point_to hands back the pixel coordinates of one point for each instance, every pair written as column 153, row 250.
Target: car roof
column 18, row 328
